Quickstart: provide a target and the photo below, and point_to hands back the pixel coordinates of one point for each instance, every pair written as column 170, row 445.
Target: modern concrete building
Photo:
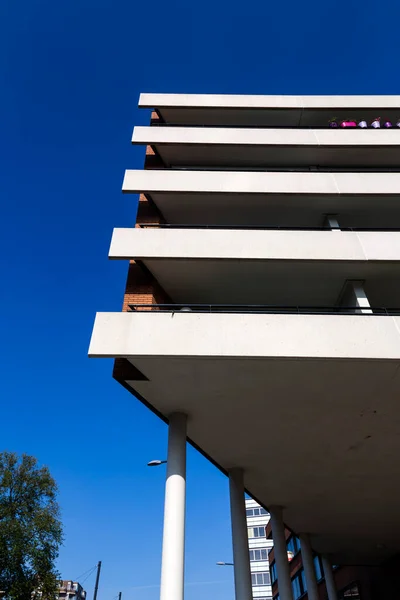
column 257, row 520
column 261, row 321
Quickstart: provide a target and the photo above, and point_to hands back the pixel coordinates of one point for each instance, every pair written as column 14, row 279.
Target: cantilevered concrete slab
column 256, row 198
column 268, row 111
column 262, row 148
column 324, row 387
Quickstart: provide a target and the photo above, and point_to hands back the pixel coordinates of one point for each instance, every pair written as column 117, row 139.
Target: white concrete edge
column 268, row 136
column 255, row 182
column 235, row 244
column 155, row 100
column 223, row 335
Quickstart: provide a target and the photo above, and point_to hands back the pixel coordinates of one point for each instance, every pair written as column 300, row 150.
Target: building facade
column 71, row 590
column 68, row 590
column 259, row 546
column 261, row 321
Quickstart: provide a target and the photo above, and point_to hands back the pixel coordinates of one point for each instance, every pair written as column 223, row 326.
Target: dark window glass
column 249, row 512
column 293, row 544
column 263, row 511
column 256, row 512
column 261, row 578
column 258, row 554
column 303, row 581
column 352, row 592
column 296, row 587
column 317, row 567
column 273, row 572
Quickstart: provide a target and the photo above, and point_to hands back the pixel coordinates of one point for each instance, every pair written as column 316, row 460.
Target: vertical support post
column 329, row 579
column 173, row 549
column 241, row 561
column 308, row 564
column 353, row 295
column 361, row 298
column 281, row 559
column 332, row 222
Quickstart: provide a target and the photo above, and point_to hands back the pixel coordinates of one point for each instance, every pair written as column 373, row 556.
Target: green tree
column 30, row 529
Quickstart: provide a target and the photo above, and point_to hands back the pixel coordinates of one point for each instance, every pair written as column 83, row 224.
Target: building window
column 350, row 591
column 260, row 579
column 318, row 568
column 296, row 587
column 303, row 581
column 255, row 532
column 259, row 554
column 293, row 544
column 272, row 570
column 256, row 512
column 299, row 586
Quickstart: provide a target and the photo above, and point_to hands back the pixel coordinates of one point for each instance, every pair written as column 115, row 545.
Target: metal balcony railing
column 260, row 227
column 394, row 126
column 266, row 309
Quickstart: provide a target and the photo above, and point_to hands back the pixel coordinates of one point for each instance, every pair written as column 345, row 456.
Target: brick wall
column 141, row 287
column 147, row 212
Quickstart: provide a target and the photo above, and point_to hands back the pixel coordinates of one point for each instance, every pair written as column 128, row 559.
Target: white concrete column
column 240, row 542
column 173, row 548
column 308, row 564
column 329, row 579
column 280, row 552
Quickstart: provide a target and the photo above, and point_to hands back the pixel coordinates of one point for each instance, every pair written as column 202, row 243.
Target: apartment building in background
column 71, row 590
column 261, row 321
column 68, row 590
column 257, row 521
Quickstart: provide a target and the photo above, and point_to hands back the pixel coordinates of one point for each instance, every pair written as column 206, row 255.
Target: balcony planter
column 363, row 124
column 398, row 123
column 333, row 122
column 388, row 124
column 376, row 123
column 348, row 123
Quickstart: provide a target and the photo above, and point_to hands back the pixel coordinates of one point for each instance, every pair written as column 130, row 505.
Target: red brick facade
column 373, row 582
column 141, row 287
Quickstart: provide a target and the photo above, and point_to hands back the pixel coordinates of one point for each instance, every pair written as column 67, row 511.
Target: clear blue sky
column 70, row 74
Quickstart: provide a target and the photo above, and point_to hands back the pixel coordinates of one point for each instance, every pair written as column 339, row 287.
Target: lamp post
column 156, row 463
column 220, row 563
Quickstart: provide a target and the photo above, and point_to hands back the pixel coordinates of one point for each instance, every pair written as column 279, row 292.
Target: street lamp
column 224, row 564
column 156, row 463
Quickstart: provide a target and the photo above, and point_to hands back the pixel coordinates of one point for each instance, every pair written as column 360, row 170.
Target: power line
column 89, row 573
column 87, row 577
column 83, row 574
